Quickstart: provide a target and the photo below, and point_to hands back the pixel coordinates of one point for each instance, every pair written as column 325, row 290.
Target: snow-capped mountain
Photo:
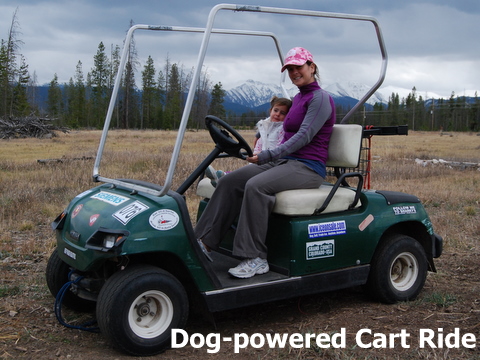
column 355, row 91
column 253, row 94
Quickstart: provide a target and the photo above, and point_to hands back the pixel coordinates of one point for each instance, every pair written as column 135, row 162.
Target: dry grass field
column 32, row 194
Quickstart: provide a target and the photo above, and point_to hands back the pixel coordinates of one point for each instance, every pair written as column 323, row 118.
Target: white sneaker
column 250, row 267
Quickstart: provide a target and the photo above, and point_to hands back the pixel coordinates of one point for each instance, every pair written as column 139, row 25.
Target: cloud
column 432, row 44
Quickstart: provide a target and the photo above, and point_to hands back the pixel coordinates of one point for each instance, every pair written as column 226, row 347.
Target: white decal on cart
column 112, row 199
column 327, row 229
column 127, row 213
column 367, row 221
column 320, row 249
column 164, row 219
column 70, row 253
column 405, row 210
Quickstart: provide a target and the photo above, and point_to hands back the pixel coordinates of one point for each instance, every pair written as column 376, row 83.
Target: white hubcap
column 150, row 314
column 404, row 271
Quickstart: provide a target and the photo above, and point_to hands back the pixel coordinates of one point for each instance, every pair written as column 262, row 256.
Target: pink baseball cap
column 297, row 56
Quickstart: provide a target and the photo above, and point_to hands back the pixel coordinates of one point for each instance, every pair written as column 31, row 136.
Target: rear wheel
column 57, row 275
column 398, row 270
column 138, row 307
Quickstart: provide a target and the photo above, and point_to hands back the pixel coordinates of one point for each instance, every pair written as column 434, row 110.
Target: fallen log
column 63, row 159
column 462, row 165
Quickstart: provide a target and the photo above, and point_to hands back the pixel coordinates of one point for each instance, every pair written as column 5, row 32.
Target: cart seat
column 343, row 152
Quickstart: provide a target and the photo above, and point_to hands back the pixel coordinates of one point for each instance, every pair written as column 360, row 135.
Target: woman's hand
column 253, row 159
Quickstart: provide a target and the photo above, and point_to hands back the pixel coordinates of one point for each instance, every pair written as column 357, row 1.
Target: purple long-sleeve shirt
column 308, row 127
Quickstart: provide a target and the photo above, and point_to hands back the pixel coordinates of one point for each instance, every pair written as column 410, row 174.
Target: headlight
column 106, row 239
column 57, row 224
column 110, row 240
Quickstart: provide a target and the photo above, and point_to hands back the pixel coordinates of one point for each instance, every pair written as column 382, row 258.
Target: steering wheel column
column 227, row 140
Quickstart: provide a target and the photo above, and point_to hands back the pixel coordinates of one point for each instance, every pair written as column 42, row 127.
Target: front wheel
column 57, row 275
column 398, row 270
column 138, row 307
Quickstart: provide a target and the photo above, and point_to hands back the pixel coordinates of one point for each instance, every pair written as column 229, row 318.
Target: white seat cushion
column 344, row 146
column 301, row 202
column 305, row 201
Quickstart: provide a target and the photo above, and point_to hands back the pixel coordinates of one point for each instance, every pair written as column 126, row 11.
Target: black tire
column 57, row 275
column 138, row 307
column 398, row 270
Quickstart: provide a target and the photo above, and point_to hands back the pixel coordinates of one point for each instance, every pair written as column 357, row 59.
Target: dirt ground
column 449, row 301
column 448, row 307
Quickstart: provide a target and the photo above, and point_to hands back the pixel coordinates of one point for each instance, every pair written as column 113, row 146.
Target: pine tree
column 8, row 70
column 200, row 104
column 129, row 109
column 150, row 97
column 174, row 99
column 79, row 109
column 99, row 81
column 216, row 104
column 159, row 111
column 54, row 100
column 20, row 105
column 114, row 65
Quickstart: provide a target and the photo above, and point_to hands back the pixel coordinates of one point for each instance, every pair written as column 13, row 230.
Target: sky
column 432, row 45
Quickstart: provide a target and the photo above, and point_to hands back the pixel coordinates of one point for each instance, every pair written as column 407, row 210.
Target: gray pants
column 249, row 193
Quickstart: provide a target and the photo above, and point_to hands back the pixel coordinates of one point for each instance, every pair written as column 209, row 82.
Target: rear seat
column 343, row 152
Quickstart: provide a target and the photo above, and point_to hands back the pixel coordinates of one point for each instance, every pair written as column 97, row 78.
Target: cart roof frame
column 207, row 31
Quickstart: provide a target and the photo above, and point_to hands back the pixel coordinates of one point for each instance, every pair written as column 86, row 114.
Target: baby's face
column 278, row 113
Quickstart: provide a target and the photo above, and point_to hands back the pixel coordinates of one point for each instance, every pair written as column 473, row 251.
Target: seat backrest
column 345, row 145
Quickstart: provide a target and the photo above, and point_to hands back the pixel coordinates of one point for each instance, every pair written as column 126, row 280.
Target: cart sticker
column 77, row 210
column 70, row 254
column 164, row 219
column 112, row 199
column 367, row 221
column 327, row 229
column 320, row 249
column 405, row 210
column 93, row 218
column 127, row 213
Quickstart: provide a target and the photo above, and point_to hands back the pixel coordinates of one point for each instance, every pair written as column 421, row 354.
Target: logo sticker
column 320, row 249
column 164, row 219
column 327, row 229
column 112, row 199
column 77, row 210
column 93, row 218
column 127, row 213
column 405, row 210
column 367, row 221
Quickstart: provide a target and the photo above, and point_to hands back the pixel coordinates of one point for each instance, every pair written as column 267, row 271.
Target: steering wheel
column 220, row 132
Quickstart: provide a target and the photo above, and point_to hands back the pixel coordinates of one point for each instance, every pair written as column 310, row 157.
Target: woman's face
column 301, row 75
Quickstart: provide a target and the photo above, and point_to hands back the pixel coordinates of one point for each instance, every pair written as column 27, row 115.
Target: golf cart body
column 128, row 248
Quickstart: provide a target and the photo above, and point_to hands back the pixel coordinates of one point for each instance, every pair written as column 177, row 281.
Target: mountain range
column 256, row 96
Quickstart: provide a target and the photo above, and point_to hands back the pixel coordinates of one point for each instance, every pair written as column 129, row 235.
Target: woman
column 298, row 163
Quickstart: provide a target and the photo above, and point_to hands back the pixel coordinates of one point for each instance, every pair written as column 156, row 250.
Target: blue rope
column 58, row 308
